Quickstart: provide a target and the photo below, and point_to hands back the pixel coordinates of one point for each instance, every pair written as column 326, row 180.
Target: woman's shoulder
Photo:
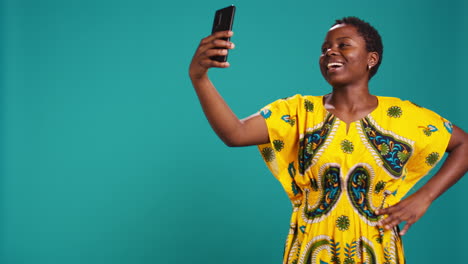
column 309, row 102
column 387, row 100
column 303, row 98
column 296, row 107
column 407, row 117
column 397, row 107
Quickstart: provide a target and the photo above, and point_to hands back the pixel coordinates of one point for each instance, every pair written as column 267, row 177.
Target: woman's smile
column 334, row 66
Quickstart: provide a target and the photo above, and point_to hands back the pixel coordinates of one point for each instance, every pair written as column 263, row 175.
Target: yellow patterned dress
column 336, row 178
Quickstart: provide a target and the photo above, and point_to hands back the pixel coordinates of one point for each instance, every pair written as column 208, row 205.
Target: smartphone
column 223, row 20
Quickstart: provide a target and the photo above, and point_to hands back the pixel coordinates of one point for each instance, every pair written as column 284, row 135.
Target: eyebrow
column 340, row 38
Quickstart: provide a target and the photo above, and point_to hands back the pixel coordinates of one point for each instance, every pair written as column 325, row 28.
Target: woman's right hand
column 212, row 45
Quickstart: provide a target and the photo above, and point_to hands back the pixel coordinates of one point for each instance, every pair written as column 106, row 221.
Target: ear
column 372, row 59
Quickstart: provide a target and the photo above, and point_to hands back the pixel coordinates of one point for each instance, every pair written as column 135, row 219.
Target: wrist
column 427, row 194
column 199, row 80
column 198, row 76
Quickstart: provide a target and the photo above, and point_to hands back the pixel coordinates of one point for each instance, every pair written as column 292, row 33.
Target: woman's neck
column 350, row 104
column 351, row 97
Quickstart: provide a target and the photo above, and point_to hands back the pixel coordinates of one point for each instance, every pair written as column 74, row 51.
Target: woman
column 345, row 159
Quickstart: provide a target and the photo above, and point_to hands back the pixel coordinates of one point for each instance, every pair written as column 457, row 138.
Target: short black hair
column 370, row 35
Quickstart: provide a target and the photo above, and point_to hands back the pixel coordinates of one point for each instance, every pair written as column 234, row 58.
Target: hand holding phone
column 223, row 21
column 212, row 51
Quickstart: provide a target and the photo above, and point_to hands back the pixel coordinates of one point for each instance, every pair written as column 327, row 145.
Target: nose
column 331, row 52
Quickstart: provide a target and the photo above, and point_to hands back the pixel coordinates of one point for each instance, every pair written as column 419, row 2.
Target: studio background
column 106, row 156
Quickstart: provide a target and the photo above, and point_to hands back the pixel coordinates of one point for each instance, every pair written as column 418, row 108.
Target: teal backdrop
column 106, row 156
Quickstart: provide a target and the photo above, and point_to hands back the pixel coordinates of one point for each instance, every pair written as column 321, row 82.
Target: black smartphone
column 223, row 20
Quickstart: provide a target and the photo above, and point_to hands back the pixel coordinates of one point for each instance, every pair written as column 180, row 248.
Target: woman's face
column 345, row 59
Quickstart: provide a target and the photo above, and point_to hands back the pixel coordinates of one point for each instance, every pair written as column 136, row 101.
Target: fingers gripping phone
column 223, row 20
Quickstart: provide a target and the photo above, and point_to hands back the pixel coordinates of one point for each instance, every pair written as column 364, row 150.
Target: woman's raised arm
column 230, row 129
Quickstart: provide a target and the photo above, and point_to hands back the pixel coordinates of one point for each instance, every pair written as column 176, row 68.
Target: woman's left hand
column 409, row 210
column 412, row 208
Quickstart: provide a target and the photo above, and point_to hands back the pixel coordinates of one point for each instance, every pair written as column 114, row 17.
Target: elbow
column 234, row 140
column 230, row 142
column 241, row 142
column 231, row 139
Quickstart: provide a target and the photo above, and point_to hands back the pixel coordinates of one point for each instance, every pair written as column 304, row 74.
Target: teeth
column 331, row 64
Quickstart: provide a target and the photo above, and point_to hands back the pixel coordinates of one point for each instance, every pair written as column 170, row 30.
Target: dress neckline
column 348, row 124
column 379, row 103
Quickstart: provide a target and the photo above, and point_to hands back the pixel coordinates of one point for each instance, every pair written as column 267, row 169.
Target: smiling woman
column 346, row 159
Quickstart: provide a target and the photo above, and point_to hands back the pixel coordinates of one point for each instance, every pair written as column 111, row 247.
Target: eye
column 324, row 49
column 343, row 45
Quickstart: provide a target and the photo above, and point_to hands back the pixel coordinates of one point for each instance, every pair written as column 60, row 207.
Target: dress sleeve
column 433, row 134
column 281, row 153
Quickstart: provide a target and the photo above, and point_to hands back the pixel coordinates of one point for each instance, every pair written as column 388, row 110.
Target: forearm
column 220, row 116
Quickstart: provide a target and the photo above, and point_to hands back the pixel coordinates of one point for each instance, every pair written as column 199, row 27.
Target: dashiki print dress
column 336, row 178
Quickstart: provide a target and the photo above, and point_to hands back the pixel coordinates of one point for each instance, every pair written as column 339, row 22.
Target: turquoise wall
column 106, row 156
